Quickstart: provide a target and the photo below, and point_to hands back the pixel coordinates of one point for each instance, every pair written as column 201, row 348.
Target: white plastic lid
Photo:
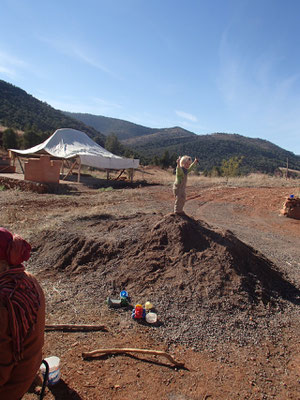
column 53, row 363
column 148, row 305
column 151, row 317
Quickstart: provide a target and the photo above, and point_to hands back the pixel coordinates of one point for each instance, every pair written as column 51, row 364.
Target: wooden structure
column 43, row 169
column 291, row 207
column 5, row 165
column 75, row 146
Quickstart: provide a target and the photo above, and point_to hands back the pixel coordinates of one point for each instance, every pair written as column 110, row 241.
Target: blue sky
column 208, row 66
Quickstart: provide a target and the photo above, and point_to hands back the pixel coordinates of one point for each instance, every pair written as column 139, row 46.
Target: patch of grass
column 2, row 188
column 107, row 189
column 252, row 180
column 167, row 177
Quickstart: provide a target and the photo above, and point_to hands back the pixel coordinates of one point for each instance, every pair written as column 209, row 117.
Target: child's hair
column 183, row 159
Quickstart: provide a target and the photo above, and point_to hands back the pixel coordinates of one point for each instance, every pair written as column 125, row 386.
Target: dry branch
column 74, row 328
column 98, row 352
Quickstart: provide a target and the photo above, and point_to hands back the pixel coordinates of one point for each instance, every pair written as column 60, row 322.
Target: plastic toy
column 148, row 305
column 138, row 312
column 117, row 303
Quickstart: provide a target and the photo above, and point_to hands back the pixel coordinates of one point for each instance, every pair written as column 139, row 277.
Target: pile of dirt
column 205, row 283
column 291, row 207
column 10, row 183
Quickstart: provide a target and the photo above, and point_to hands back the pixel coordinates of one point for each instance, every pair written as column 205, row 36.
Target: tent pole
column 123, row 170
column 12, row 157
column 131, row 175
column 79, row 169
column 21, row 165
column 70, row 170
column 107, row 174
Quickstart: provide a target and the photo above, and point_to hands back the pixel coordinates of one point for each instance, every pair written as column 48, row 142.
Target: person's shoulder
column 3, row 318
column 34, row 280
column 31, row 277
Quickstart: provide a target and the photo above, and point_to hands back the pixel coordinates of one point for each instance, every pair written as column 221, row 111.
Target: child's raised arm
column 192, row 166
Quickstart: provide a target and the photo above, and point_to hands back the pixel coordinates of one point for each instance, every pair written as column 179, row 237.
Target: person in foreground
column 22, row 318
column 184, row 166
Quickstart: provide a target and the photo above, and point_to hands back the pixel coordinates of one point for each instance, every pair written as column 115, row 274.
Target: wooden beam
column 98, row 352
column 74, row 327
column 21, row 165
column 123, row 170
column 79, row 169
column 131, row 174
column 70, row 170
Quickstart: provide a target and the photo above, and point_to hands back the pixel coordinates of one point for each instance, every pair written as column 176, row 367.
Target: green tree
column 165, row 160
column 30, row 139
column 128, row 153
column 215, row 172
column 113, row 145
column 99, row 140
column 173, row 160
column 155, row 160
column 9, row 139
column 231, row 167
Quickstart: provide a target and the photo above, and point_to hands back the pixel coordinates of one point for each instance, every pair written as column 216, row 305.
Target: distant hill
column 161, row 138
column 20, row 110
column 106, row 125
column 126, row 131
column 259, row 155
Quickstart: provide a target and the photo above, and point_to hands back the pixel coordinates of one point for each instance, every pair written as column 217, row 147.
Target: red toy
column 138, row 312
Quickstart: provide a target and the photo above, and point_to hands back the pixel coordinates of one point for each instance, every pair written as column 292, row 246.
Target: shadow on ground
column 97, row 183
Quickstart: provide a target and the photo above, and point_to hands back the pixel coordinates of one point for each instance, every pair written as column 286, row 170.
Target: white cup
column 151, row 317
column 54, row 370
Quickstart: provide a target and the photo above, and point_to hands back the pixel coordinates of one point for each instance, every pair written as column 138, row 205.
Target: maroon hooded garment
column 22, row 319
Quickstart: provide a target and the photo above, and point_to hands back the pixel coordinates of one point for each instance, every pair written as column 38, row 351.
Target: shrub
column 9, row 139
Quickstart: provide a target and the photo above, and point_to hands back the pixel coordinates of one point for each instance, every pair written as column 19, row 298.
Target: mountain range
column 19, row 110
column 259, row 155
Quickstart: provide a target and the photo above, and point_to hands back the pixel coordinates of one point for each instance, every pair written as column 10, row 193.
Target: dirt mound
column 193, row 273
column 10, row 183
column 178, row 253
column 291, row 207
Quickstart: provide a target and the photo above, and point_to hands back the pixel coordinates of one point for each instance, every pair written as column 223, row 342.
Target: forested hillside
column 211, row 150
column 21, row 111
column 106, row 125
column 38, row 120
column 132, row 134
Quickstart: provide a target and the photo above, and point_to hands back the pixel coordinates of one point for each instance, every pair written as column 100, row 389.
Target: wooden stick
column 70, row 170
column 21, row 166
column 98, row 352
column 123, row 170
column 79, row 169
column 66, row 327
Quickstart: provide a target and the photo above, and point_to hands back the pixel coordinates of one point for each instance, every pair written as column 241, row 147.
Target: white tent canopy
column 69, row 143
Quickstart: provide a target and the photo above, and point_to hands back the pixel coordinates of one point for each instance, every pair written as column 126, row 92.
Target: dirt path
column 264, row 368
column 253, row 215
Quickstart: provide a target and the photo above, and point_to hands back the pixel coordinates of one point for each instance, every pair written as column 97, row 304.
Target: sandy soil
column 224, row 281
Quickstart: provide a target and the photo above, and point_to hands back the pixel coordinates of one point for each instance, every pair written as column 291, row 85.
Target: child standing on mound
column 184, row 166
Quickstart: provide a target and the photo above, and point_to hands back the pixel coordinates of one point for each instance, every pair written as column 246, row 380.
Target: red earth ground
column 224, row 281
